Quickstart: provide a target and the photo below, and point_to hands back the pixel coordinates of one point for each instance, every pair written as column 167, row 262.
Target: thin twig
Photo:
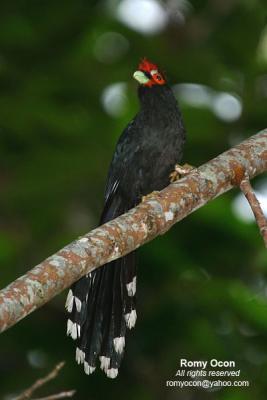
column 61, row 395
column 40, row 382
column 247, row 189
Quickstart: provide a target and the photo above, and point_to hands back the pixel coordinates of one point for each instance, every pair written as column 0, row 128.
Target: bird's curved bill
column 141, row 77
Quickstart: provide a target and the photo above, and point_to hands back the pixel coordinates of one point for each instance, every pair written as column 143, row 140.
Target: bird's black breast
column 149, row 147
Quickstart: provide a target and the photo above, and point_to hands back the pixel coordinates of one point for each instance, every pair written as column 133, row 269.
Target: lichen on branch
column 141, row 224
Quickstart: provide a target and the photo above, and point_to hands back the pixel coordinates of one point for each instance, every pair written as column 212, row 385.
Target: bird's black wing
column 102, row 304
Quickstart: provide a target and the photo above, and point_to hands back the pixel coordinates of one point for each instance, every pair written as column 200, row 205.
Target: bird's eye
column 158, row 79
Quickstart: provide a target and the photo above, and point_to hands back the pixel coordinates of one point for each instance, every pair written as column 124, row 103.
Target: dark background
column 202, row 287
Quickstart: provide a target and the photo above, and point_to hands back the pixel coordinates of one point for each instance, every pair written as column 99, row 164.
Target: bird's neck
column 156, row 99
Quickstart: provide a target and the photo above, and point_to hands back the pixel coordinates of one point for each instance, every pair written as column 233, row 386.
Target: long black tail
column 102, row 307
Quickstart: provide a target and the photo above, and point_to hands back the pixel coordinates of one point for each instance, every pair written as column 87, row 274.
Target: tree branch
column 143, row 223
column 246, row 188
column 61, row 395
column 42, row 381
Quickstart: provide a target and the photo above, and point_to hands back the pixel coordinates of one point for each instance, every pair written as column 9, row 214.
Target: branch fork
column 241, row 179
column 27, row 394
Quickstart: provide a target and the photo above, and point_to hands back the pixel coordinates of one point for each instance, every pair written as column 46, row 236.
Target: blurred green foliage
column 201, row 287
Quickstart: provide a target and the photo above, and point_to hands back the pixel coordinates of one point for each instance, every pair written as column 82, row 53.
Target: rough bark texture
column 149, row 219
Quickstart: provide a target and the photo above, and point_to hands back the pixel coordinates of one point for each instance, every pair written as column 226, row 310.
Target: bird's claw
column 180, row 171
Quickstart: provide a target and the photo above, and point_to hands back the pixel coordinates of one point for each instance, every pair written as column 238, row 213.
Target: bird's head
column 148, row 74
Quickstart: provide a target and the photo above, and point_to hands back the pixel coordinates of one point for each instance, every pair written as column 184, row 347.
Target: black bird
column 102, row 304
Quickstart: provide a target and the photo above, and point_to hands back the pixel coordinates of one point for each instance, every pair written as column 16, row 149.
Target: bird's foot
column 180, row 171
column 150, row 196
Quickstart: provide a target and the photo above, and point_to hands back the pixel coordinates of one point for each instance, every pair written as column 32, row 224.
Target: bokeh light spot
column 110, row 47
column 194, row 94
column 37, row 358
column 227, row 107
column 114, row 99
column 145, row 16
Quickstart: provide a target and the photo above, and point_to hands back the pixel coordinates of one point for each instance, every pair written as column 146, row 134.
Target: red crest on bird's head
column 148, row 74
column 147, row 66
